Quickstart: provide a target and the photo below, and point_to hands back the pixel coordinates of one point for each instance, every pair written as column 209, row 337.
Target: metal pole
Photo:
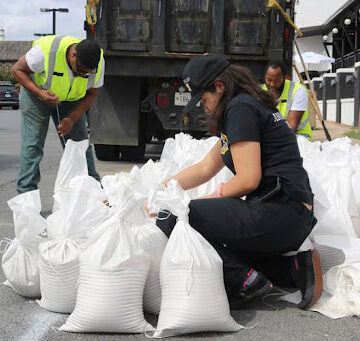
column 54, row 21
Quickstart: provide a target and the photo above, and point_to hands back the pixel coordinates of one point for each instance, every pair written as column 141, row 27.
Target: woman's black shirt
column 246, row 119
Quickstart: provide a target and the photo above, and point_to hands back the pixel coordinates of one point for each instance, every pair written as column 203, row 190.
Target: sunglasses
column 80, row 71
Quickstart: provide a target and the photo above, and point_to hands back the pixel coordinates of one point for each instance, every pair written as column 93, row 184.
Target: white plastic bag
column 73, row 163
column 340, row 257
column 147, row 234
column 68, row 229
column 113, row 271
column 185, row 151
column 20, row 261
column 153, row 241
column 191, row 275
column 89, row 185
column 342, row 296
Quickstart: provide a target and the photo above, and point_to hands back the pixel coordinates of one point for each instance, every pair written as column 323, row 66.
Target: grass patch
column 354, row 134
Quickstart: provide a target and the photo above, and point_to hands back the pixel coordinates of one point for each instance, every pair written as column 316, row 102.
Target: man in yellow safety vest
column 292, row 98
column 59, row 77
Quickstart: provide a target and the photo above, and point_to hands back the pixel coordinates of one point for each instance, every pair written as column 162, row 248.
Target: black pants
column 250, row 234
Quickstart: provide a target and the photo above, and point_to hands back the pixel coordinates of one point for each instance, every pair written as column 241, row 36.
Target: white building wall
column 313, row 44
column 315, row 12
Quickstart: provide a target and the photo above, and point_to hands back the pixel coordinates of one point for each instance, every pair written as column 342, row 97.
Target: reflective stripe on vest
column 91, row 79
column 303, row 124
column 52, row 57
column 289, row 99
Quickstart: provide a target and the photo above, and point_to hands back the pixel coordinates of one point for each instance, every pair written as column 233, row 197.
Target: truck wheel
column 107, row 152
column 15, row 107
column 130, row 153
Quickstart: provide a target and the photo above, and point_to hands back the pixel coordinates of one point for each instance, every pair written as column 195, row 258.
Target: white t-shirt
column 300, row 102
column 35, row 60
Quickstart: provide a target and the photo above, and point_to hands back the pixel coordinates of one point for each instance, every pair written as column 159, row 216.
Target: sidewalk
column 336, row 130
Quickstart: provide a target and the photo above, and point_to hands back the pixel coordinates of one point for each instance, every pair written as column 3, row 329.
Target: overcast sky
column 22, row 18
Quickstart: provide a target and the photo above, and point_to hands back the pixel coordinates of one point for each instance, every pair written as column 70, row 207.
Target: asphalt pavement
column 22, row 319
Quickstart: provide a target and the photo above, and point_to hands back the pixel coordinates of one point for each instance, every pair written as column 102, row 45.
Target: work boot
column 258, row 287
column 308, row 277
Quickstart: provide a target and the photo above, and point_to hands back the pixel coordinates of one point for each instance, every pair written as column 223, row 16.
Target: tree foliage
column 5, row 73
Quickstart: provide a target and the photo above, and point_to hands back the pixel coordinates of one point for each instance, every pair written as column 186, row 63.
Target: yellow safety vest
column 284, row 105
column 56, row 77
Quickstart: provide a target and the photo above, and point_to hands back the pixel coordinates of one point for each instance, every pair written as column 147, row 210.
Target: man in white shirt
column 292, row 98
column 59, row 77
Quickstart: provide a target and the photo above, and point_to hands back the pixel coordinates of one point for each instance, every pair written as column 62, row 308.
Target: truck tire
column 133, row 153
column 15, row 107
column 107, row 152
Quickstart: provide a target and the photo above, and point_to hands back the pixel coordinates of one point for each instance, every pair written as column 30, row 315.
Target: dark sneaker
column 309, row 278
column 258, row 287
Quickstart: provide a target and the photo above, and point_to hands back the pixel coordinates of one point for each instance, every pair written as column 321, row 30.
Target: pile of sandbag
column 107, row 264
column 334, row 173
column 179, row 153
column 69, row 227
column 113, row 270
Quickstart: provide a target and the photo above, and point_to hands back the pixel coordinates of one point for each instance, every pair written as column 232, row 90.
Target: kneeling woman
column 257, row 145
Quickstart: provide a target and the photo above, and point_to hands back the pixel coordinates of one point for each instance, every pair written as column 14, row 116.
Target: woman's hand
column 146, row 208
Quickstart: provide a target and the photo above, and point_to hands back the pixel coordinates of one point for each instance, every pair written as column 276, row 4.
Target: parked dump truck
column 146, row 45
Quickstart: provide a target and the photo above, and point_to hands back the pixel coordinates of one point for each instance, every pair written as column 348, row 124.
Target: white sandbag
column 68, row 229
column 330, row 173
column 340, row 258
column 321, row 201
column 191, row 275
column 147, row 234
column 59, row 273
column 114, row 186
column 153, row 241
column 113, row 271
column 307, row 147
column 89, row 185
column 334, row 177
column 211, row 186
column 73, row 162
column 20, row 261
column 154, row 173
column 342, row 284
column 350, row 247
column 331, row 306
column 185, row 151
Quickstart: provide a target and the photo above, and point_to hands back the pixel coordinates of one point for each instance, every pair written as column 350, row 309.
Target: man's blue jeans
column 35, row 115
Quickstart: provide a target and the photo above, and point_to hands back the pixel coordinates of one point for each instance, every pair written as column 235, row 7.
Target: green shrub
column 5, row 73
column 354, row 134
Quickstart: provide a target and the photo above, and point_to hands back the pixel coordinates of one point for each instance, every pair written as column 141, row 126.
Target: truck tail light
column 15, row 92
column 175, row 83
column 162, row 99
column 287, row 34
